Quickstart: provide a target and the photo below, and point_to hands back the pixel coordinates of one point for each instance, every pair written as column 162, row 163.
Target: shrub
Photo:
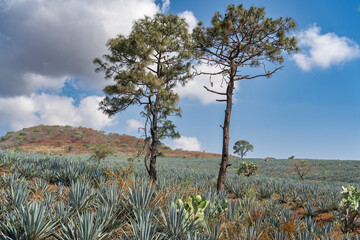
column 349, row 209
column 67, row 126
column 8, row 133
column 70, row 148
column 37, row 130
column 59, row 143
column 291, row 157
column 247, row 169
column 86, row 145
column 100, row 152
column 18, row 149
column 23, row 133
column 301, row 168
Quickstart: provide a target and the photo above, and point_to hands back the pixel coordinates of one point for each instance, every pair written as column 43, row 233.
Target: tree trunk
column 154, row 142
column 225, row 150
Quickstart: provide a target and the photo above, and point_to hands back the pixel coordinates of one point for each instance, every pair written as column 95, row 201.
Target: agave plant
column 177, row 222
column 142, row 196
column 142, row 226
column 79, row 195
column 87, row 226
column 29, row 222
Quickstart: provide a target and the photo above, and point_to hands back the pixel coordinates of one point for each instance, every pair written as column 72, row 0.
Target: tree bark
column 154, row 142
column 226, row 127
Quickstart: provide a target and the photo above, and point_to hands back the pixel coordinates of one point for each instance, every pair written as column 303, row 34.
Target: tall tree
column 146, row 66
column 242, row 147
column 239, row 39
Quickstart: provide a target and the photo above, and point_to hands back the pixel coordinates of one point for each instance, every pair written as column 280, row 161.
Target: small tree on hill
column 301, row 168
column 242, row 147
column 101, row 152
column 146, row 66
column 239, row 39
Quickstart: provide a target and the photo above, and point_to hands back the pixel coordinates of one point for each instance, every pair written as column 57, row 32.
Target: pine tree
column 238, row 39
column 146, row 66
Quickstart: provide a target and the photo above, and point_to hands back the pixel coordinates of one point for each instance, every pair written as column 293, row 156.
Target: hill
column 75, row 140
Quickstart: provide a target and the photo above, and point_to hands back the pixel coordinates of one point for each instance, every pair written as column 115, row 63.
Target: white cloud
column 165, row 6
column 26, row 111
column 190, row 19
column 134, row 125
column 195, row 90
column 186, row 143
column 45, row 40
column 324, row 50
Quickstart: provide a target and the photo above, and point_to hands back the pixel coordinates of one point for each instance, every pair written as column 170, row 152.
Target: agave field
column 53, row 197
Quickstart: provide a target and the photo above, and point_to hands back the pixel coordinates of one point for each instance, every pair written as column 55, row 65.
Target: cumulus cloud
column 324, row 50
column 195, row 90
column 43, row 41
column 165, row 6
column 186, row 143
column 26, row 111
column 134, row 125
column 190, row 19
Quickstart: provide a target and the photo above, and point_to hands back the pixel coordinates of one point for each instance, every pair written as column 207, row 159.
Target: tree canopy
column 146, row 66
column 238, row 39
column 242, row 147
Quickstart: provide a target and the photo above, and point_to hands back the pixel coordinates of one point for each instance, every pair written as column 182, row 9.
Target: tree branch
column 212, row 91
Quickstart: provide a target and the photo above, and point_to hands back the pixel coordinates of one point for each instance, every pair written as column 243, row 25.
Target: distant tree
column 101, row 152
column 242, row 147
column 240, row 39
column 291, row 157
column 247, row 169
column 146, row 66
column 301, row 168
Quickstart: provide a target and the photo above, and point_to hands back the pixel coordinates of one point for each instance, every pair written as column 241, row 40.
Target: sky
column 309, row 109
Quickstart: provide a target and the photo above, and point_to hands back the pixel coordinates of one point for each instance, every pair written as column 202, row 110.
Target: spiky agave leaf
column 88, row 226
column 178, row 223
column 142, row 226
column 29, row 222
column 80, row 194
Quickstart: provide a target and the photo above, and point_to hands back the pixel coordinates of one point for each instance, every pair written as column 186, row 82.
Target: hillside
column 76, row 140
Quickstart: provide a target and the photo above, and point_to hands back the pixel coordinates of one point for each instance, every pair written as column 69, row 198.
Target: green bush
column 247, row 169
column 67, row 126
column 86, row 145
column 37, row 130
column 23, row 133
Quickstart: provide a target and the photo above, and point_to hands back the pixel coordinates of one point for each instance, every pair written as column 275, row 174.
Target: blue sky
column 310, row 109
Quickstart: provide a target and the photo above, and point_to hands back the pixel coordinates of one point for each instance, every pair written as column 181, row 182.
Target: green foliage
column 67, row 126
column 100, row 152
column 86, row 145
column 291, row 157
column 69, row 148
column 49, row 130
column 23, row 133
column 195, row 207
column 242, row 147
column 9, row 133
column 37, row 130
column 241, row 38
column 247, row 169
column 349, row 209
column 146, row 66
